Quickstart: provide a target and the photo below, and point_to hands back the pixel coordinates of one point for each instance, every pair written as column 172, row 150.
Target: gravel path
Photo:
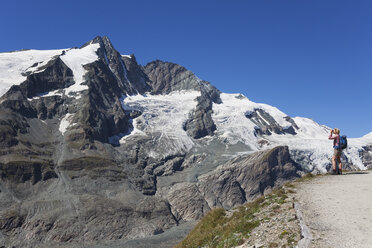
column 338, row 209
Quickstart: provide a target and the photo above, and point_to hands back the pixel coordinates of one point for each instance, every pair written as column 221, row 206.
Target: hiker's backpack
column 343, row 143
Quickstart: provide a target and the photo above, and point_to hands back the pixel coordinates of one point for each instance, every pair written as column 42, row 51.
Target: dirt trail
column 338, row 210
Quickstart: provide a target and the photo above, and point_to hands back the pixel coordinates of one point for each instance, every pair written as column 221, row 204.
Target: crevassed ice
column 230, row 120
column 162, row 119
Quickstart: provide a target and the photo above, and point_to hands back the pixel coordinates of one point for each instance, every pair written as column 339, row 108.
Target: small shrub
column 284, row 233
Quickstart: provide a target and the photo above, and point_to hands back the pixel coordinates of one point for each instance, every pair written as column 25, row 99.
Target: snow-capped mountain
column 240, row 121
column 95, row 147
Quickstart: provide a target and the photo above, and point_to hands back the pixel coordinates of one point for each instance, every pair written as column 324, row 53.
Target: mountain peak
column 102, row 40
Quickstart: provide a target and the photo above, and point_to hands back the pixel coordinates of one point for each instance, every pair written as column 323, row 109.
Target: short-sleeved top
column 335, row 138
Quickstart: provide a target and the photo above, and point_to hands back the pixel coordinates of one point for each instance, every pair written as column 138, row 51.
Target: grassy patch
column 283, row 234
column 289, row 185
column 217, row 230
column 277, row 196
column 208, row 230
column 305, row 178
column 291, row 191
column 290, row 239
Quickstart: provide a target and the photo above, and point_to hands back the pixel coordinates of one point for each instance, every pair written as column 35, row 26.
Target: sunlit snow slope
column 163, row 115
column 310, row 145
column 14, row 66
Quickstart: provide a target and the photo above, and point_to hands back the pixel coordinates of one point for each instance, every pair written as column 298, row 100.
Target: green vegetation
column 221, row 230
column 290, row 239
column 284, row 233
column 218, row 230
column 305, row 178
column 278, row 196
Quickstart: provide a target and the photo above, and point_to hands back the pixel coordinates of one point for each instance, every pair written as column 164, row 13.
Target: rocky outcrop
column 166, row 77
column 129, row 74
column 20, row 172
column 245, row 178
column 200, row 122
column 56, row 75
column 267, row 125
column 187, row 202
column 100, row 114
column 366, row 156
column 240, row 180
column 136, row 74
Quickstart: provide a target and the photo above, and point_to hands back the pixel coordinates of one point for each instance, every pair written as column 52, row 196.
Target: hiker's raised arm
column 331, row 135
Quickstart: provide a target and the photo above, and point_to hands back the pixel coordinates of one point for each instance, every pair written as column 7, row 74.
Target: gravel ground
column 338, row 209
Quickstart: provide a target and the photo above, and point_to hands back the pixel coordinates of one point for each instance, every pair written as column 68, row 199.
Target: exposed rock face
column 267, row 125
column 239, row 180
column 129, row 74
column 27, row 171
column 200, row 122
column 167, row 77
column 366, row 155
column 245, row 178
column 187, row 202
column 136, row 74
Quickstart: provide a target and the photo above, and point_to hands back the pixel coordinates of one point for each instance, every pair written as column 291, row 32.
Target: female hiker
column 335, row 136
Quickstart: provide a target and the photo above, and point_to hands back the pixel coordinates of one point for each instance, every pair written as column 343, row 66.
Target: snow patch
column 47, row 94
column 75, row 59
column 310, row 129
column 65, row 123
column 231, row 122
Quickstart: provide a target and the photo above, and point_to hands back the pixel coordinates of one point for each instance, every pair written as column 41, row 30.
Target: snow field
column 14, row 64
column 75, row 59
column 232, row 123
column 311, row 139
column 230, row 120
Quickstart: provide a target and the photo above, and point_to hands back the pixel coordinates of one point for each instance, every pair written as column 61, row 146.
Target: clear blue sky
column 307, row 58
